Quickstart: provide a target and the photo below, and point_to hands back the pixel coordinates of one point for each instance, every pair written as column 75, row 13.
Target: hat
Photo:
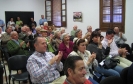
column 43, row 30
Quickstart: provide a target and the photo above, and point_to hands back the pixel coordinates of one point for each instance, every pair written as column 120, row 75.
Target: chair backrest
column 124, row 75
column 112, row 80
column 17, row 62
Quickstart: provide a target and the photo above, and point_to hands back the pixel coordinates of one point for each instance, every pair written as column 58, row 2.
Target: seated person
column 78, row 35
column 101, row 53
column 66, row 46
column 79, row 49
column 43, row 66
column 75, row 71
column 130, row 75
column 6, row 36
column 118, row 53
column 17, row 46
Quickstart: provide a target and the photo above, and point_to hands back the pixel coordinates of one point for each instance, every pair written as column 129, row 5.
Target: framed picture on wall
column 77, row 16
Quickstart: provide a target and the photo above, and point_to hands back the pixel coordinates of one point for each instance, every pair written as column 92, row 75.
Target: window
column 112, row 14
column 55, row 12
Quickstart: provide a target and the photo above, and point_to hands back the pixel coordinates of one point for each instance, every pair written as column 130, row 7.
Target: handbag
column 110, row 63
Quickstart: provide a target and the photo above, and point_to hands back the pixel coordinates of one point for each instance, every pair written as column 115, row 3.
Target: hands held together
column 56, row 58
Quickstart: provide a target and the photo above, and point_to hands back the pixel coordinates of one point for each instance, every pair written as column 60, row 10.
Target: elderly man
column 6, row 36
column 43, row 66
column 73, row 31
column 16, row 46
column 74, row 69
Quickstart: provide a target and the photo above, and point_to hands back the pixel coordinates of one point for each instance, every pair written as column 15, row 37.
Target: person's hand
column 124, row 52
column 110, row 41
column 29, row 33
column 60, row 53
column 27, row 45
column 91, row 58
column 21, row 43
column 53, row 60
column 120, row 34
column 51, row 36
column 99, row 43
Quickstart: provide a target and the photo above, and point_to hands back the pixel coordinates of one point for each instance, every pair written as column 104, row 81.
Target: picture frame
column 77, row 16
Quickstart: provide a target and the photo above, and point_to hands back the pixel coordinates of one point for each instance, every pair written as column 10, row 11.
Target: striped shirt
column 39, row 69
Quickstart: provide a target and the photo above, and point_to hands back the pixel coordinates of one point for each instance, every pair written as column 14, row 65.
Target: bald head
column 116, row 30
column 75, row 27
column 14, row 35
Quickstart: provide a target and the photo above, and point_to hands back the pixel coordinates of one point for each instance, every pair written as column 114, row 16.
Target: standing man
column 42, row 20
column 43, row 66
column 75, row 71
column 32, row 22
column 2, row 24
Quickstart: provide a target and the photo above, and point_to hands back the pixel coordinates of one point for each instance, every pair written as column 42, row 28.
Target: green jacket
column 14, row 48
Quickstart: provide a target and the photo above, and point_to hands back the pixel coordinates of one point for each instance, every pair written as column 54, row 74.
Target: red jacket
column 86, row 82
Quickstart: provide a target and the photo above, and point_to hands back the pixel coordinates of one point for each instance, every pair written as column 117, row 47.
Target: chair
column 18, row 62
column 2, row 62
column 112, row 80
column 124, row 75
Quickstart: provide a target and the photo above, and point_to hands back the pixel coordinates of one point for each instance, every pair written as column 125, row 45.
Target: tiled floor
column 14, row 72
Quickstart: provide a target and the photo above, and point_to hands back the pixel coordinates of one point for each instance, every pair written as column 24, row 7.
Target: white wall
column 90, row 11
column 38, row 6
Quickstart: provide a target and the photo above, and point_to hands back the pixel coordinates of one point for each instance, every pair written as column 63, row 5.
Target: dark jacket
column 100, row 53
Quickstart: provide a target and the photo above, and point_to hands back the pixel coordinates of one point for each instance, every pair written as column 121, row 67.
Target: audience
column 38, row 33
column 45, row 25
column 42, row 20
column 43, row 66
column 17, row 29
column 73, row 31
column 78, row 35
column 1, row 32
column 101, row 53
column 89, row 29
column 79, row 49
column 120, row 39
column 57, row 39
column 19, row 22
column 117, row 53
column 32, row 22
column 11, row 23
column 66, row 46
column 16, row 46
column 62, row 30
column 2, row 24
column 75, row 71
column 6, row 36
column 50, row 48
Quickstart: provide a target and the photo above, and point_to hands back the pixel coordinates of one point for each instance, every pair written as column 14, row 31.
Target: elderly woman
column 38, row 33
column 46, row 25
column 57, row 39
column 62, row 30
column 79, row 49
column 78, row 35
column 101, row 53
column 66, row 46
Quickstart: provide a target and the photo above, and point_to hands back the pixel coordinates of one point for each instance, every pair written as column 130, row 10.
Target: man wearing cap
column 44, row 33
